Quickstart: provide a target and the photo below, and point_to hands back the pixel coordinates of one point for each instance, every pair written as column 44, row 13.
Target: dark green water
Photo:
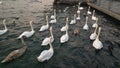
column 78, row 52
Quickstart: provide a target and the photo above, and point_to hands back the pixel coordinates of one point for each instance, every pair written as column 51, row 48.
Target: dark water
column 78, row 52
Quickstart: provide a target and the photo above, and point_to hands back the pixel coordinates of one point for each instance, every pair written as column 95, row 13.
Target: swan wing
column 2, row 31
column 52, row 16
column 45, row 41
column 94, row 25
column 64, row 38
column 27, row 34
column 63, row 28
column 85, row 27
column 53, row 21
column 72, row 22
column 44, row 27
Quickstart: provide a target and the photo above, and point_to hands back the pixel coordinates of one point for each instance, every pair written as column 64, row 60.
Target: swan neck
column 31, row 26
column 51, row 32
column 4, row 24
column 23, row 42
column 97, row 21
column 99, row 32
column 67, row 29
column 74, row 17
column 86, row 20
column 51, row 47
column 47, row 20
column 93, row 12
column 96, row 29
column 54, row 14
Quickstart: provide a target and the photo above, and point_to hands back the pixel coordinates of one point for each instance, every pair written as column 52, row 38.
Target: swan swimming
column 28, row 33
column 85, row 27
column 16, row 53
column 88, row 12
column 5, row 30
column 47, row 40
column 80, row 8
column 64, row 27
column 94, row 35
column 95, row 24
column 74, row 20
column 46, row 54
column 93, row 16
column 53, row 16
column 64, row 38
column 45, row 27
column 97, row 44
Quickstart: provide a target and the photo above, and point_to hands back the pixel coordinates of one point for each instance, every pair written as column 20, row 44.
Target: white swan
column 94, row 35
column 93, row 16
column 78, row 11
column 53, row 21
column 85, row 27
column 80, row 8
column 5, row 30
column 97, row 44
column 64, row 27
column 74, row 20
column 46, row 54
column 47, row 40
column 88, row 12
column 45, row 27
column 95, row 24
column 78, row 16
column 28, row 33
column 64, row 38
column 54, row 15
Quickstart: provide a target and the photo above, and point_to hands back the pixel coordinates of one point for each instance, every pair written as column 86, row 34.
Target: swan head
column 51, row 28
column 86, row 19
